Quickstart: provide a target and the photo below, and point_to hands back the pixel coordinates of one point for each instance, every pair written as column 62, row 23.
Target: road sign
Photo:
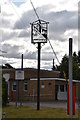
column 19, row 75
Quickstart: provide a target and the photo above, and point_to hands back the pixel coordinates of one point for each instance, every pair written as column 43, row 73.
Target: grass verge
column 28, row 112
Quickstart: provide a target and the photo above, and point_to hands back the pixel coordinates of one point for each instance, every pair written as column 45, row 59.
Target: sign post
column 39, row 35
column 38, row 82
column 19, row 75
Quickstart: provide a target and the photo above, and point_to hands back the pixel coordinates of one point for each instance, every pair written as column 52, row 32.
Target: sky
column 15, row 31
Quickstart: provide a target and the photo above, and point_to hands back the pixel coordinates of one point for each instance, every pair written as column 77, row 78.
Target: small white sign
column 6, row 76
column 42, row 86
column 19, row 75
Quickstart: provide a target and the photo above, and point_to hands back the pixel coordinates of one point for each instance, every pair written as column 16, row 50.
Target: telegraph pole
column 70, row 79
column 22, row 62
column 21, row 81
column 16, row 92
column 53, row 65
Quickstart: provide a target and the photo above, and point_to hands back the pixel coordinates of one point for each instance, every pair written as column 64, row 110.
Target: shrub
column 4, row 92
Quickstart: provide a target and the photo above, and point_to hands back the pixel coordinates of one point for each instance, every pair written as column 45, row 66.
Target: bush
column 4, row 92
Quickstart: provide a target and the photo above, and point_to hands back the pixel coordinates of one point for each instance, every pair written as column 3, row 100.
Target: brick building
column 51, row 86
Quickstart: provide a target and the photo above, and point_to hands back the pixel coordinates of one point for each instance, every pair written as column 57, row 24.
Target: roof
column 37, row 69
column 6, row 66
column 60, row 79
column 31, row 73
column 11, row 68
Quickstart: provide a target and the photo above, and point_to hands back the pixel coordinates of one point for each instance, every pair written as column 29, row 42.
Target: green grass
column 28, row 112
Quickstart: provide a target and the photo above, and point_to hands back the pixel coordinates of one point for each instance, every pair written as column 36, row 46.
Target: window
column 56, row 88
column 62, row 88
column 42, row 85
column 49, row 83
column 14, row 86
column 25, row 86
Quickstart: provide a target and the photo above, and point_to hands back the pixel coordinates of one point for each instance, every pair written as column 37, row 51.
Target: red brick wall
column 78, row 91
column 46, row 93
column 22, row 95
column 32, row 73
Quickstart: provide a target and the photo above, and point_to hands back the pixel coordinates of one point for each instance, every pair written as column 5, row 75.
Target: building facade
column 23, row 86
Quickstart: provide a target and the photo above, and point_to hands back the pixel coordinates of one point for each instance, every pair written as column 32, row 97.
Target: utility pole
column 53, row 65
column 16, row 92
column 70, row 79
column 22, row 62
column 21, row 81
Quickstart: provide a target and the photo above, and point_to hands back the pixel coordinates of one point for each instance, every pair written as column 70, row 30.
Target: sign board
column 39, row 31
column 6, row 76
column 19, row 75
column 42, row 86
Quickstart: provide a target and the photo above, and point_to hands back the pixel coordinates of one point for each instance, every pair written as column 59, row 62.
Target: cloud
column 47, row 64
column 59, row 21
column 30, row 55
column 24, row 33
column 47, row 56
column 24, row 21
column 8, row 34
column 4, row 23
column 12, row 51
column 15, row 27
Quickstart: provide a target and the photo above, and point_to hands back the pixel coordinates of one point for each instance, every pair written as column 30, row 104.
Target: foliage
column 64, row 66
column 4, row 92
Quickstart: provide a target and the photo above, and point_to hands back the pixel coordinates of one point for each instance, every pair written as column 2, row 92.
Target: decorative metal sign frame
column 39, row 31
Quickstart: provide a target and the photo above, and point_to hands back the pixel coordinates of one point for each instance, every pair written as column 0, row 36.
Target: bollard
column 3, row 114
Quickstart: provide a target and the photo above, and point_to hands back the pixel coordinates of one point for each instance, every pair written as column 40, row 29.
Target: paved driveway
column 55, row 104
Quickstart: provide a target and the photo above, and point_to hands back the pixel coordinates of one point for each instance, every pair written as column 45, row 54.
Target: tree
column 76, row 70
column 79, row 58
column 4, row 92
column 64, row 66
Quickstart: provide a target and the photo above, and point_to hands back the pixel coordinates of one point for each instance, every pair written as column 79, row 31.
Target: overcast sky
column 15, row 19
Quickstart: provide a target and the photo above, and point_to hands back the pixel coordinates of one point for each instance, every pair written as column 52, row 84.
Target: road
column 54, row 104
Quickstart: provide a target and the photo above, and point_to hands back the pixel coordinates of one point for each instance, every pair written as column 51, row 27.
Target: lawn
column 28, row 112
